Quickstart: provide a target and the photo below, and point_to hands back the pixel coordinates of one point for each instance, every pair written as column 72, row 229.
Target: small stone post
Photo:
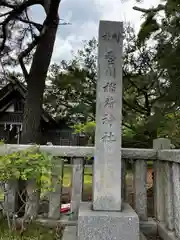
column 159, row 180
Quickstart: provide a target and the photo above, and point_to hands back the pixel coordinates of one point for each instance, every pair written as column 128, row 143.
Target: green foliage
column 149, row 89
column 163, row 28
column 73, row 86
column 87, row 129
column 170, row 128
column 33, row 232
column 27, row 164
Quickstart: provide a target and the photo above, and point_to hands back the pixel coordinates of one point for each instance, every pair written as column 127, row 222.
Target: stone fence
column 166, row 184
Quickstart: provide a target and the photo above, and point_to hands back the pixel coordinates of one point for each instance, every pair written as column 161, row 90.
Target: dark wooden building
column 12, row 98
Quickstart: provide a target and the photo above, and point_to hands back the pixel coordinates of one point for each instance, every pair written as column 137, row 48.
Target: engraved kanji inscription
column 109, row 56
column 108, row 137
column 107, row 36
column 116, row 36
column 110, row 87
column 109, row 102
column 111, row 71
column 108, row 119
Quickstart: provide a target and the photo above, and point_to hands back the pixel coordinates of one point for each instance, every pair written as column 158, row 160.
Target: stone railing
column 166, row 184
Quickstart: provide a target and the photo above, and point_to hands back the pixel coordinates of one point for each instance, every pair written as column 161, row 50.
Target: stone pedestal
column 107, row 225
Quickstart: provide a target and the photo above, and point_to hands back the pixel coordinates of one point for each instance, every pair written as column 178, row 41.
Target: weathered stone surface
column 161, row 143
column 77, row 183
column 102, row 225
column 123, row 181
column 139, row 153
column 159, row 177
column 140, row 183
column 56, row 193
column 176, row 197
column 11, row 197
column 33, row 197
column 71, row 151
column 142, row 237
column 149, row 228
column 107, row 164
column 63, row 151
column 164, row 233
column 70, row 233
column 168, row 182
column 169, row 155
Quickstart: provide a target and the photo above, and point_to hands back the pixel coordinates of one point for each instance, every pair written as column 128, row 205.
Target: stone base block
column 70, row 233
column 164, row 233
column 149, row 228
column 103, row 225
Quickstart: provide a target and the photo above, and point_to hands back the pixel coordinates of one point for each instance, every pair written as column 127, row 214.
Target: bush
column 29, row 164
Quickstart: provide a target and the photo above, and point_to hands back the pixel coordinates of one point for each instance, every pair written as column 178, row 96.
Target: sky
column 84, row 17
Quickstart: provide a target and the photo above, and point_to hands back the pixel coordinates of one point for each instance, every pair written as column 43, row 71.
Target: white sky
column 84, row 16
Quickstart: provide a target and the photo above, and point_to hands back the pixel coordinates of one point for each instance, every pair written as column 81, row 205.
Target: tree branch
column 151, row 10
column 24, row 70
column 129, row 127
column 46, row 5
column 5, row 4
column 4, row 33
column 141, row 107
column 17, row 10
column 158, row 98
column 147, row 105
column 4, row 14
column 37, row 25
column 30, row 48
column 132, row 107
column 24, row 54
column 129, row 79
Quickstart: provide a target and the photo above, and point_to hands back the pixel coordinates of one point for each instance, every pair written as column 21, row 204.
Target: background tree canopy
column 162, row 26
column 148, row 108
column 150, row 72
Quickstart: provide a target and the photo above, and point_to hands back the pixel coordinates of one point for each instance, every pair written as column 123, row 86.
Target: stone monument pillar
column 107, row 217
column 107, row 164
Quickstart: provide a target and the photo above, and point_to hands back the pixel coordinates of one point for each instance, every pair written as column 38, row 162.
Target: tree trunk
column 31, row 132
column 35, row 87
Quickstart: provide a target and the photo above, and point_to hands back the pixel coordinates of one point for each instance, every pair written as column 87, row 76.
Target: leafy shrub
column 27, row 164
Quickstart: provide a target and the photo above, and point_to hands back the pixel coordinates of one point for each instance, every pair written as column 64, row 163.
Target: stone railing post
column 140, row 184
column 11, row 195
column 175, row 222
column 33, row 198
column 55, row 195
column 162, row 183
column 123, row 183
column 169, row 195
column 77, row 185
